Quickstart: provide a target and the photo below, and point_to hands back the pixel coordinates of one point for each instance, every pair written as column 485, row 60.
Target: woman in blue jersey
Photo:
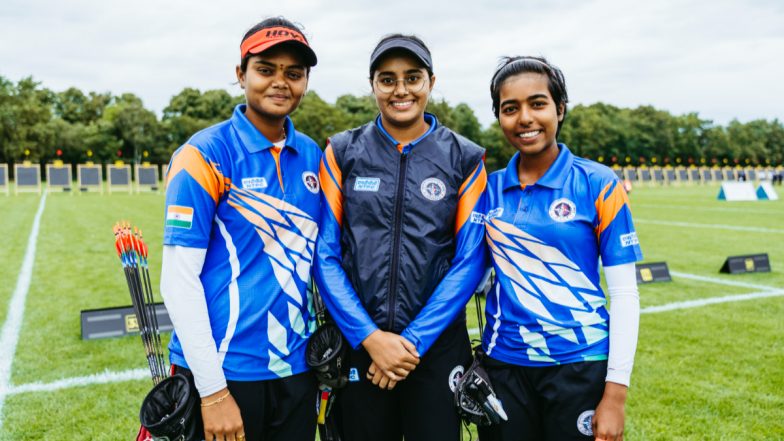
column 242, row 206
column 559, row 364
column 400, row 252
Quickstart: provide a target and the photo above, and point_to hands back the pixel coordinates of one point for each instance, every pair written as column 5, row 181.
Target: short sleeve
column 618, row 243
column 193, row 188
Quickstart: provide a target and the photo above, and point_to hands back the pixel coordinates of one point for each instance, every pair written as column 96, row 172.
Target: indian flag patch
column 179, row 216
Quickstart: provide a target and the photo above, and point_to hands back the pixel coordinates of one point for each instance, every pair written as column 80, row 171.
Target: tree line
column 41, row 125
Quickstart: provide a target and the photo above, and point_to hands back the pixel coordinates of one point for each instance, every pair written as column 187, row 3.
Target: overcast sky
column 723, row 59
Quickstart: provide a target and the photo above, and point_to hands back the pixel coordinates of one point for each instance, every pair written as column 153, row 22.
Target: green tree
column 441, row 109
column 212, row 105
column 597, row 130
column 650, row 134
column 358, row 109
column 137, row 128
column 499, row 151
column 73, row 106
column 190, row 111
column 28, row 119
column 318, row 119
column 6, row 118
column 465, row 123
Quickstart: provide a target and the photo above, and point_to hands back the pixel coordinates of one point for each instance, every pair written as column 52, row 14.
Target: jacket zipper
column 393, row 279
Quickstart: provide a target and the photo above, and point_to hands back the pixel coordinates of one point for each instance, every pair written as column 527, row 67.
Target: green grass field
column 707, row 372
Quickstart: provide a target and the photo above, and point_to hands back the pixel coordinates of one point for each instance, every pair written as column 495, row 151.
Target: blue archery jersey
column 546, row 241
column 255, row 208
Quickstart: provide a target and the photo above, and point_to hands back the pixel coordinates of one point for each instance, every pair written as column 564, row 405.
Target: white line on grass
column 710, row 301
column 713, row 226
column 696, row 303
column 722, row 281
column 102, row 378
column 140, row 374
column 9, row 336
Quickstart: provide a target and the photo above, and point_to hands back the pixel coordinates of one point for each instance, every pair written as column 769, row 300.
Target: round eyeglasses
column 412, row 83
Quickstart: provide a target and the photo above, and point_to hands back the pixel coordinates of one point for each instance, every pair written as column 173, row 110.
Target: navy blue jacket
column 401, row 239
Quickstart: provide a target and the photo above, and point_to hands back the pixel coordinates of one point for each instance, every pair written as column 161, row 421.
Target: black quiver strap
column 327, row 355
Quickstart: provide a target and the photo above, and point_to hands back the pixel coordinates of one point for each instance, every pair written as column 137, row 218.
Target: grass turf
column 703, row 373
column 76, row 268
column 18, row 214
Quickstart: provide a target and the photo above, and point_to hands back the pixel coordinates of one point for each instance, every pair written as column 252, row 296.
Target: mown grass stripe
column 9, row 337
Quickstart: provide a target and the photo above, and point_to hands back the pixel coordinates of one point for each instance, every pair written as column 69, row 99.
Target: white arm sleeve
column 624, row 321
column 183, row 295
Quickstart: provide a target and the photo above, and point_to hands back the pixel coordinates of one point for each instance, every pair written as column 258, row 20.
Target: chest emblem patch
column 254, row 183
column 311, row 182
column 562, row 210
column 367, row 184
column 433, row 189
column 494, row 213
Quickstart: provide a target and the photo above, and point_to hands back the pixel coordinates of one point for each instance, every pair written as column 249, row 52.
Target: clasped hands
column 393, row 358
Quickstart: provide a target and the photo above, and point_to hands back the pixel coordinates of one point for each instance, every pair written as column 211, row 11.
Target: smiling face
column 528, row 116
column 274, row 83
column 404, row 106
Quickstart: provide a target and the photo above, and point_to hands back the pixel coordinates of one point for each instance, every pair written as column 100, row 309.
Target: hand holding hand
column 378, row 378
column 392, row 354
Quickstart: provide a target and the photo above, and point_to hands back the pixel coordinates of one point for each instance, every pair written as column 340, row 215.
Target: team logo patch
column 254, row 183
column 455, row 376
column 179, row 217
column 367, row 184
column 433, row 189
column 353, row 375
column 585, row 423
column 477, row 218
column 630, row 239
column 562, row 210
column 311, row 182
column 494, row 213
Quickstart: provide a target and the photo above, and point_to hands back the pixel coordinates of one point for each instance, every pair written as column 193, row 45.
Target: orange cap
column 266, row 38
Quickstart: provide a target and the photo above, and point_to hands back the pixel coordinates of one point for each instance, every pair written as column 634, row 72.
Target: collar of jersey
column 554, row 177
column 429, row 118
column 250, row 136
